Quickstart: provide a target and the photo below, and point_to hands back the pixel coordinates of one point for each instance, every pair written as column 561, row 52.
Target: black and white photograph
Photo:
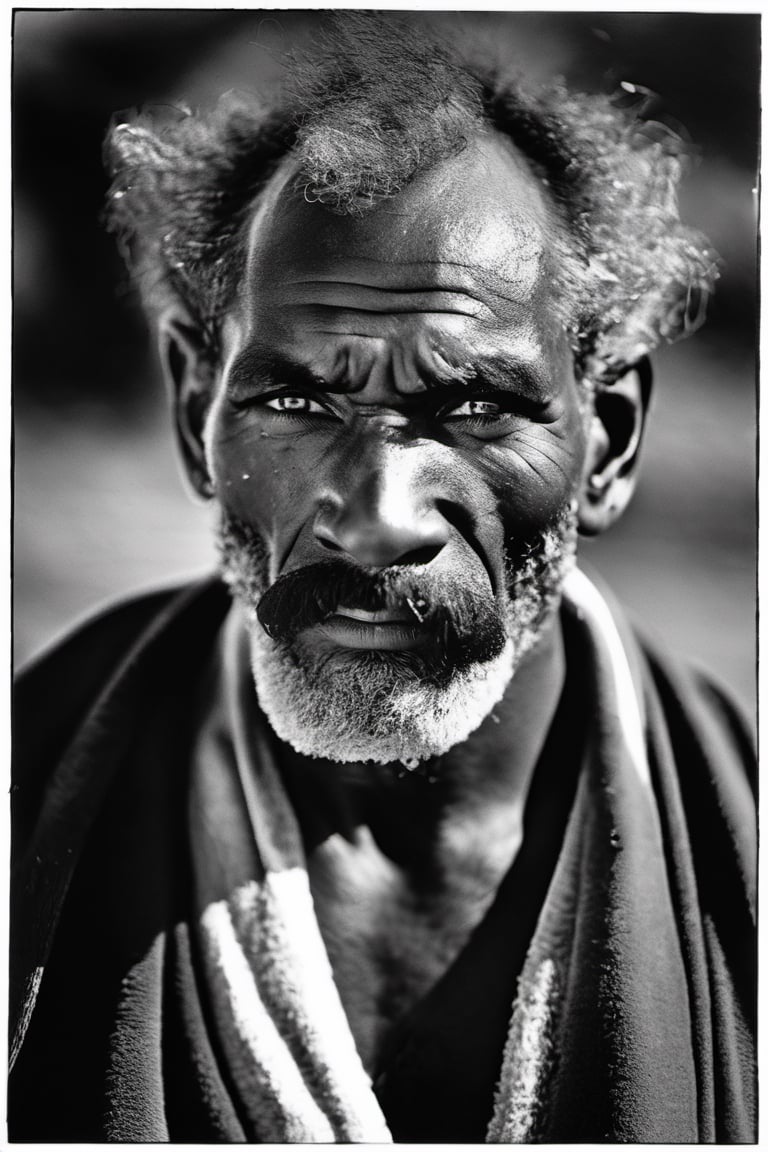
column 384, row 578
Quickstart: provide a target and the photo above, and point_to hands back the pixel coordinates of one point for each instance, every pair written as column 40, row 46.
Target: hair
column 376, row 102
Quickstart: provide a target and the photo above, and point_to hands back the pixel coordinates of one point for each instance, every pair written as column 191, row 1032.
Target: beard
column 352, row 705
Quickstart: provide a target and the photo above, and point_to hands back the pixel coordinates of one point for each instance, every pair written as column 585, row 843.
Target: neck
column 473, row 795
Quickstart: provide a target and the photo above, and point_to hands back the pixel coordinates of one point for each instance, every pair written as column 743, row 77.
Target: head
column 407, row 339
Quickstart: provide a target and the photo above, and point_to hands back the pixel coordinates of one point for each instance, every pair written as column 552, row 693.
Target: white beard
column 371, row 706
column 368, row 709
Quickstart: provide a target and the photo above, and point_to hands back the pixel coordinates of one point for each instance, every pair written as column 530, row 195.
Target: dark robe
column 112, row 1031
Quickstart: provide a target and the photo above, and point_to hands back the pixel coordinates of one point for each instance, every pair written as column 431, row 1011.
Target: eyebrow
column 491, row 373
column 495, row 373
column 257, row 365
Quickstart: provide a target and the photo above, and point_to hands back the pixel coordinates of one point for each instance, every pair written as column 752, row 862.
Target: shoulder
column 697, row 727
column 77, row 666
column 703, row 717
column 698, row 742
column 704, row 764
column 97, row 638
column 688, row 696
column 57, row 690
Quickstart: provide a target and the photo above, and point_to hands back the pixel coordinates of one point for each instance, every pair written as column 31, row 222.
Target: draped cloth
column 170, row 981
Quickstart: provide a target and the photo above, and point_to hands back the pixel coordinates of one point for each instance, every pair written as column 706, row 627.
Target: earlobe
column 613, row 451
column 190, row 379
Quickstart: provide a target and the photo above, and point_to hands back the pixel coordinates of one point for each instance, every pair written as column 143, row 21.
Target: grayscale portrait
column 384, row 608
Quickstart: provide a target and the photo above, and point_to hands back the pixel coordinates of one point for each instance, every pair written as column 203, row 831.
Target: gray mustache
column 463, row 619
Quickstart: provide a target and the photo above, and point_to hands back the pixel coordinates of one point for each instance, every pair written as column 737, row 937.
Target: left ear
column 615, row 437
column 190, row 379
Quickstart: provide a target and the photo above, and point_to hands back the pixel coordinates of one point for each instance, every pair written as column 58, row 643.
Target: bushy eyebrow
column 258, row 365
column 493, row 374
column 486, row 374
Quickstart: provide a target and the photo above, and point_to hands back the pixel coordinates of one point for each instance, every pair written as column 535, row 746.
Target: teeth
column 384, row 616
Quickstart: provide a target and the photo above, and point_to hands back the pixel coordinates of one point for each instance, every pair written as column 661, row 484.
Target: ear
column 190, row 378
column 615, row 437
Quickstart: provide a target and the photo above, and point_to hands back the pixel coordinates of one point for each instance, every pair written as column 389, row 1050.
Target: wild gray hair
column 379, row 100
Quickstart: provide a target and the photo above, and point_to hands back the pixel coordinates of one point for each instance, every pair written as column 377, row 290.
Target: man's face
column 396, row 443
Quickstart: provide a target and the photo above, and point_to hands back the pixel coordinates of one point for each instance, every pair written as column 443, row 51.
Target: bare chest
column 389, row 939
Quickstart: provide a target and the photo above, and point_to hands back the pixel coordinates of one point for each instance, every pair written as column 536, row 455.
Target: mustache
column 458, row 614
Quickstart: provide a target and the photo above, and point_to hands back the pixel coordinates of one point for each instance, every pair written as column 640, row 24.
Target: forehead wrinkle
column 500, row 286
column 354, row 364
column 495, row 282
column 432, row 362
column 407, row 368
column 435, row 222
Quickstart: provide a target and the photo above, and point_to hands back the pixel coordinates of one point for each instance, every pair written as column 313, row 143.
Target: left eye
column 296, row 405
column 474, row 408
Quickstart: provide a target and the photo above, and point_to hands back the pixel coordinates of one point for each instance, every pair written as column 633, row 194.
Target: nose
column 386, row 515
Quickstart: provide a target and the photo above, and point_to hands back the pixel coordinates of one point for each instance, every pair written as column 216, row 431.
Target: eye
column 473, row 408
column 484, row 417
column 293, row 404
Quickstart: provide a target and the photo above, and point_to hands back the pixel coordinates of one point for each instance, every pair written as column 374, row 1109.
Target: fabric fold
column 634, row 1014
column 277, row 1010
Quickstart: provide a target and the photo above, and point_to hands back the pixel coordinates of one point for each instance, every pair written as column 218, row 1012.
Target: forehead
column 466, row 250
column 483, row 208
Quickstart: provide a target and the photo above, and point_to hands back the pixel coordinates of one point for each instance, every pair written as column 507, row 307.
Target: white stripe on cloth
column 278, row 929
column 527, row 1058
column 591, row 604
column 277, row 1010
column 268, row 1079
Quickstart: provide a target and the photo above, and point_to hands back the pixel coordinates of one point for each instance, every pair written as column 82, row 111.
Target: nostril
column 326, row 543
column 371, row 537
column 420, row 555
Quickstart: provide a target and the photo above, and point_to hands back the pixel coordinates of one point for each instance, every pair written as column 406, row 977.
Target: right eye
column 474, row 408
column 294, row 404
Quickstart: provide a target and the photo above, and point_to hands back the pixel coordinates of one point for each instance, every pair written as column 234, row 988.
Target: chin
column 371, row 707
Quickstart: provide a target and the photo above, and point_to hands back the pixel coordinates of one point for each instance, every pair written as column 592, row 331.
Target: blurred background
column 100, row 507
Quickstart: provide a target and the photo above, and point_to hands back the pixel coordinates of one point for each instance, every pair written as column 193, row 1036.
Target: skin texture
column 382, row 334
column 397, row 388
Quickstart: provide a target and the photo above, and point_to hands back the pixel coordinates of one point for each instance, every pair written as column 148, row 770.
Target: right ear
column 190, row 378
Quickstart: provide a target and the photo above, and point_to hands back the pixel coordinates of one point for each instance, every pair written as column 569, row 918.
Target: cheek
column 536, row 473
column 260, row 479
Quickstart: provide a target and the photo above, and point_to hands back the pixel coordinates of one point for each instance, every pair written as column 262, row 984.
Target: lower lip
column 384, row 637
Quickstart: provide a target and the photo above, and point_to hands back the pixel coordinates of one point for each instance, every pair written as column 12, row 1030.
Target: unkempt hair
column 378, row 101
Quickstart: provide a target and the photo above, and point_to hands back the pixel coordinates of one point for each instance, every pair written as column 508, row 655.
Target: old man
column 394, row 830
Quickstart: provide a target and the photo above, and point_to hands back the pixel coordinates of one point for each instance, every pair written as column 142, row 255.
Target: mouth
column 387, row 629
column 448, row 619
